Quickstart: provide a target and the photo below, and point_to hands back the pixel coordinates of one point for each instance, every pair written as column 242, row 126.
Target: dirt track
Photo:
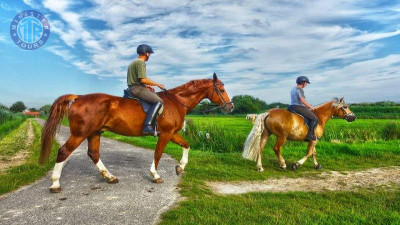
column 328, row 181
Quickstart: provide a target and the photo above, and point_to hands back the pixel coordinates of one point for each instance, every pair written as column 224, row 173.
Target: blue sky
column 346, row 48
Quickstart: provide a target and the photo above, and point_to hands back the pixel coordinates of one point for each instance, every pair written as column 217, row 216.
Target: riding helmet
column 143, row 49
column 302, row 79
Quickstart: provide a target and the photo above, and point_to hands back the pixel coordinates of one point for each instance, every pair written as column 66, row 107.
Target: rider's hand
column 312, row 108
column 161, row 86
column 150, row 88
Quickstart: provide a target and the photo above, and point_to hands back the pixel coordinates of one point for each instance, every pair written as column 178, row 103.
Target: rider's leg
column 313, row 121
column 150, row 97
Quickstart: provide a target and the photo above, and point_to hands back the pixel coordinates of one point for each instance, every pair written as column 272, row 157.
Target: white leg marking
column 301, row 161
column 185, row 158
column 55, row 177
column 103, row 170
column 153, row 171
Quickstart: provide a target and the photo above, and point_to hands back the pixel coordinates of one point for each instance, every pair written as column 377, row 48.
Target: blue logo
column 30, row 30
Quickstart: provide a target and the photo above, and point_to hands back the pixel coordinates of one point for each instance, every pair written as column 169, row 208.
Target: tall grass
column 213, row 137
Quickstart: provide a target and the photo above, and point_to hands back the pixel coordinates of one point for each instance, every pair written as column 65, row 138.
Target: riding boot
column 149, row 126
column 311, row 127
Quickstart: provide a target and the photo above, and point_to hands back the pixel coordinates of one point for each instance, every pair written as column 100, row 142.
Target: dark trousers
column 304, row 111
column 143, row 93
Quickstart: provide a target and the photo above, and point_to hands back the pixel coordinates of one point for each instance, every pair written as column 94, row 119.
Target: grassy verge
column 8, row 126
column 13, row 142
column 30, row 171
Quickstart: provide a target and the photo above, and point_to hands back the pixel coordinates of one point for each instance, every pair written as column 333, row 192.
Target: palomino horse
column 251, row 117
column 90, row 115
column 286, row 125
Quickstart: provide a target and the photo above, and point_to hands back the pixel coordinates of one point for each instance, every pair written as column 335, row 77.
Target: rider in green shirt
column 140, row 86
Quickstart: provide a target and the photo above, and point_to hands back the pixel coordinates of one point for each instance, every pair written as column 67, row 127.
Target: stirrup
column 150, row 130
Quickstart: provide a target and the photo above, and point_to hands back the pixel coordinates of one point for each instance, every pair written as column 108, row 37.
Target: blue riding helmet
column 143, row 49
column 302, row 79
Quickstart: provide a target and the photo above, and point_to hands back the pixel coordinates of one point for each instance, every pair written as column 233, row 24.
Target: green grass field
column 346, row 146
column 30, row 170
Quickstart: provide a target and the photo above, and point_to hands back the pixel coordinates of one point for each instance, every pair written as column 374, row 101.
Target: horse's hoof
column 283, row 168
column 178, row 170
column 295, row 166
column 260, row 169
column 158, row 181
column 113, row 181
column 55, row 190
column 318, row 167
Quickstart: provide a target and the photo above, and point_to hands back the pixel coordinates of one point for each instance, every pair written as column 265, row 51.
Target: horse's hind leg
column 280, row 141
column 310, row 151
column 72, row 143
column 264, row 139
column 94, row 154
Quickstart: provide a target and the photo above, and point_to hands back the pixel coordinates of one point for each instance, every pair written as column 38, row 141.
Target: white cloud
column 252, row 45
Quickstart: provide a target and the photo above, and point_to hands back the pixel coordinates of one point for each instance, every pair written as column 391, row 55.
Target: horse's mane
column 190, row 83
column 335, row 102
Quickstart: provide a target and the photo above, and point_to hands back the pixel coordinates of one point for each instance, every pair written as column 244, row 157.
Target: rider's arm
column 147, row 81
column 306, row 103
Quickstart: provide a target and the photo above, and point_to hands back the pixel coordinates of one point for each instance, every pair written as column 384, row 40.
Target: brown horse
column 289, row 126
column 90, row 115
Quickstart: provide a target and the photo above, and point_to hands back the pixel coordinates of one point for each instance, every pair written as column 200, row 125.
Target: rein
column 215, row 89
column 174, row 98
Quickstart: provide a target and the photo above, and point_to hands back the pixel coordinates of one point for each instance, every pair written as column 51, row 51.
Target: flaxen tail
column 253, row 141
column 57, row 111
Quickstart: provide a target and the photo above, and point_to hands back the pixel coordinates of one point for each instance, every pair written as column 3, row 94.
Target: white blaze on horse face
column 55, row 177
column 153, row 171
column 103, row 170
column 185, row 158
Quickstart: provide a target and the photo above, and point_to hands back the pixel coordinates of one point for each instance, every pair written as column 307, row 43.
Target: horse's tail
column 252, row 145
column 57, row 112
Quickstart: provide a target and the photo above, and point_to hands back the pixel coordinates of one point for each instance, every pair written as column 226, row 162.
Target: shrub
column 391, row 131
column 214, row 138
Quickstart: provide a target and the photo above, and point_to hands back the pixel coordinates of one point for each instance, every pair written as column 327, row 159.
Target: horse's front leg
column 310, row 151
column 317, row 166
column 162, row 142
column 177, row 139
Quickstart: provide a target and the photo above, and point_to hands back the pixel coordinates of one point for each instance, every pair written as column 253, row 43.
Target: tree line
column 244, row 104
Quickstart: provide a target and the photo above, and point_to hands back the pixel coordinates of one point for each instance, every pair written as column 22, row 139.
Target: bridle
column 345, row 114
column 221, row 98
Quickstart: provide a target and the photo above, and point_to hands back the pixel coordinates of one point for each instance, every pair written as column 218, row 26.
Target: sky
column 347, row 48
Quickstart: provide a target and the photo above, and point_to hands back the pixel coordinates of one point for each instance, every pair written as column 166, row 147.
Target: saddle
column 145, row 105
column 306, row 120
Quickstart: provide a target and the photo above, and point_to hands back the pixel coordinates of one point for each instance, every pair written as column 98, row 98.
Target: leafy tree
column 18, row 107
column 33, row 109
column 248, row 104
column 45, row 109
column 4, row 107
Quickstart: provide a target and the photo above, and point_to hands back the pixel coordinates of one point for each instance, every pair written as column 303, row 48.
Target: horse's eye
column 222, row 91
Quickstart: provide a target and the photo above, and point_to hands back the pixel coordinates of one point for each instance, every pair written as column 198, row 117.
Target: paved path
column 88, row 199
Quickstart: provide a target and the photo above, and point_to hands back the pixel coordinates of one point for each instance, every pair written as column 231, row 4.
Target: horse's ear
column 215, row 77
column 341, row 99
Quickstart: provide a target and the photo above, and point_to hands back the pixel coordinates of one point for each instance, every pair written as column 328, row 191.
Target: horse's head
column 343, row 111
column 219, row 96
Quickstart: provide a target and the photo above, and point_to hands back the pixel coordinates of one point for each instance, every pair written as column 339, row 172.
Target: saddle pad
column 145, row 105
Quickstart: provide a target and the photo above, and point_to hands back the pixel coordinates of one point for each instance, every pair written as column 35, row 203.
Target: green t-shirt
column 136, row 70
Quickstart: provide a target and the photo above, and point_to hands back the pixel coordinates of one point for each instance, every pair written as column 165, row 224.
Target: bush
column 5, row 116
column 391, row 131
